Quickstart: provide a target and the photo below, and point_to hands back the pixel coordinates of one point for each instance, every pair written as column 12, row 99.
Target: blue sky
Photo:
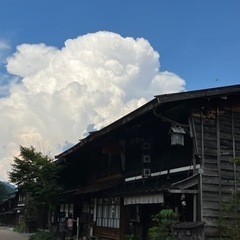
column 69, row 67
column 198, row 40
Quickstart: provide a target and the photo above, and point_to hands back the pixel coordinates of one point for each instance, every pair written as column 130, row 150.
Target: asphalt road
column 8, row 234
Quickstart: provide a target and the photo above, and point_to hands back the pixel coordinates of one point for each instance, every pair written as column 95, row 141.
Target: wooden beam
column 183, row 191
column 187, row 183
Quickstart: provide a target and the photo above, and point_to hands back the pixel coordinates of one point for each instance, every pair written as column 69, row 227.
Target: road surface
column 9, row 234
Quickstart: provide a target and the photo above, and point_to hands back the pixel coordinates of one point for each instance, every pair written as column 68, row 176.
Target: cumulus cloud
column 92, row 81
column 4, row 48
column 4, row 45
column 4, row 77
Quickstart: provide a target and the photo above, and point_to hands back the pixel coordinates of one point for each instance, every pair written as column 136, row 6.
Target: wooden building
column 13, row 213
column 174, row 151
column 11, row 210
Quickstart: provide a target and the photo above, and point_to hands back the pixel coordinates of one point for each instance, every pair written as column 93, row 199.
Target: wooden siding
column 218, row 140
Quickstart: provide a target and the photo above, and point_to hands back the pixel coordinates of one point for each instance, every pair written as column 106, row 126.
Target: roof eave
column 157, row 101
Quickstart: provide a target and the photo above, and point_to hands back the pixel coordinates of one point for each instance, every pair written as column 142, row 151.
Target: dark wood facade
column 13, row 213
column 217, row 137
column 11, row 210
column 176, row 146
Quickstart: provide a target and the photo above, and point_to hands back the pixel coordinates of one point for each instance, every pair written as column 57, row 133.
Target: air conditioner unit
column 146, row 158
column 177, row 136
column 146, row 172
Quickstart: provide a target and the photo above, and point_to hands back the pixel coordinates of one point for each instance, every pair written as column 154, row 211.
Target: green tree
column 230, row 212
column 230, row 219
column 36, row 176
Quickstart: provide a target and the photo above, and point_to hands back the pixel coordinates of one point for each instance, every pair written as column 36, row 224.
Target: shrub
column 20, row 228
column 130, row 237
column 162, row 229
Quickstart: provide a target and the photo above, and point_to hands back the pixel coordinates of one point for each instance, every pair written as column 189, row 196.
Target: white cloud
column 63, row 91
column 166, row 82
column 30, row 59
column 4, row 48
column 4, row 45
